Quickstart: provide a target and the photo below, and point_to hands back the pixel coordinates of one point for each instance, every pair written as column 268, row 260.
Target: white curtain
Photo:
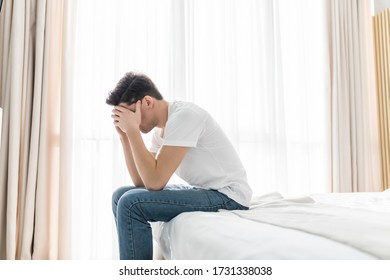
column 259, row 67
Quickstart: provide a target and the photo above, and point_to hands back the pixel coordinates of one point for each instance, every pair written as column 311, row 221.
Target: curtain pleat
column 382, row 52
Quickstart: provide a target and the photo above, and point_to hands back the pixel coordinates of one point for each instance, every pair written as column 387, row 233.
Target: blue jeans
column 135, row 207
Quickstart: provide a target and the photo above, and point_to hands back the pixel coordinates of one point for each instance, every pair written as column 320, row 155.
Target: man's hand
column 126, row 120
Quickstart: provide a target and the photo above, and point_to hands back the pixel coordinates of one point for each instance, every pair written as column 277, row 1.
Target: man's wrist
column 130, row 134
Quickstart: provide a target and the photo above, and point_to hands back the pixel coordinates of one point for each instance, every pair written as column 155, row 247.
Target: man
column 187, row 141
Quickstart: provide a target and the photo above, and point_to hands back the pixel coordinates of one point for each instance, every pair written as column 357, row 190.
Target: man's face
column 147, row 123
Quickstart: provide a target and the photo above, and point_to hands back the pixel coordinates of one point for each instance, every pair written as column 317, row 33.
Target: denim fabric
column 135, row 207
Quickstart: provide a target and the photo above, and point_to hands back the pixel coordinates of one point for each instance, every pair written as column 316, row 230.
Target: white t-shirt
column 211, row 162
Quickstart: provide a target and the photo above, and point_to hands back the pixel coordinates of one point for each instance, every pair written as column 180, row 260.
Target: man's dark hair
column 131, row 88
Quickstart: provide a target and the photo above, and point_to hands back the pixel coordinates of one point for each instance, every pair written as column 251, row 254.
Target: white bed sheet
column 226, row 235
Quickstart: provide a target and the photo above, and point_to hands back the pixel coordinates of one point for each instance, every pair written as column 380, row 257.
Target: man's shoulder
column 186, row 109
column 186, row 116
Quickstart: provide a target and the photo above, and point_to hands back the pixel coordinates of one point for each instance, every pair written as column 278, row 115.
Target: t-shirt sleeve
column 183, row 129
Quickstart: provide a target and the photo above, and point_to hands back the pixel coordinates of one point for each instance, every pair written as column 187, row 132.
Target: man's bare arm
column 135, row 177
column 155, row 172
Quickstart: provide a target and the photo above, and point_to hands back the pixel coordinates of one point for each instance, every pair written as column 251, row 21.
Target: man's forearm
column 131, row 167
column 145, row 163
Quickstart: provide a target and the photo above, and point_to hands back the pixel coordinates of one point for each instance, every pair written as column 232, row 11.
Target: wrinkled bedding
column 318, row 226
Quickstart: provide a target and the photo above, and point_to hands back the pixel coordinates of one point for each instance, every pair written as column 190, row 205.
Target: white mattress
column 261, row 232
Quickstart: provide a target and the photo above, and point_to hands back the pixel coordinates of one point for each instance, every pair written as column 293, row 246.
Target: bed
column 320, row 226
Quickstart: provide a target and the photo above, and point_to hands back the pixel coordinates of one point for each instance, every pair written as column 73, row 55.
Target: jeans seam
column 174, row 203
column 130, row 231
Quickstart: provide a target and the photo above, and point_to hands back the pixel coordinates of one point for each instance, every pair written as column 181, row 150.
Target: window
column 258, row 66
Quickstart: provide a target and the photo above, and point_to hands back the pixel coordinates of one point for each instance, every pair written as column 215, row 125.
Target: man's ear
column 149, row 101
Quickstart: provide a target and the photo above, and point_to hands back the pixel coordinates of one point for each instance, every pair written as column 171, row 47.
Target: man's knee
column 117, row 194
column 133, row 202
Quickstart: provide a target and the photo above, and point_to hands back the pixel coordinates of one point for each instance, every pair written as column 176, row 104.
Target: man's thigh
column 166, row 204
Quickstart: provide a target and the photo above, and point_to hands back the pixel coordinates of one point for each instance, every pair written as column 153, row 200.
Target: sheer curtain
column 260, row 67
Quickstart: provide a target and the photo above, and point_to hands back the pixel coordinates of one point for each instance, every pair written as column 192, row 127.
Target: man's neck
column 162, row 113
